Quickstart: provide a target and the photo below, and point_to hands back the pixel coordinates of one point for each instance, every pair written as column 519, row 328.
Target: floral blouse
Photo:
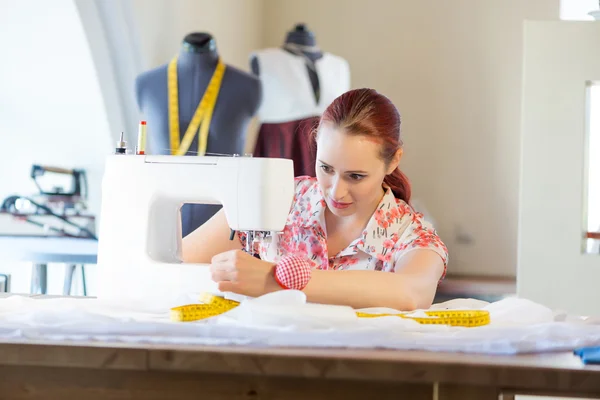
column 394, row 230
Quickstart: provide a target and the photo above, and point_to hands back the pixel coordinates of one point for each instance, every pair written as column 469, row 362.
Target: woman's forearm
column 361, row 289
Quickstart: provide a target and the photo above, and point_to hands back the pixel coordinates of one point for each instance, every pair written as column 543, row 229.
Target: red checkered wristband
column 293, row 272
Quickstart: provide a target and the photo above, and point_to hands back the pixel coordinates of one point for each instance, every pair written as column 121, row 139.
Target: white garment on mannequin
column 287, row 90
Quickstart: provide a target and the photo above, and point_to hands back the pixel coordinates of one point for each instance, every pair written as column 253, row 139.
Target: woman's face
column 350, row 171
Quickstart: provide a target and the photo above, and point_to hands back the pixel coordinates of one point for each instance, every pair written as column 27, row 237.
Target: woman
column 351, row 237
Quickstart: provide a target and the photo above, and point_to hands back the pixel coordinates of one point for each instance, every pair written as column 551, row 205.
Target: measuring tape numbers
column 212, row 306
column 464, row 318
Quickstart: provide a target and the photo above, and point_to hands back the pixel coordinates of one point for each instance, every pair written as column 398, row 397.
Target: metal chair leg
column 68, row 281
column 39, row 278
column 4, row 283
column 83, row 281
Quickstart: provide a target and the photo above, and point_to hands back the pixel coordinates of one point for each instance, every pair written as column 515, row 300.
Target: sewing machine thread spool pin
column 141, row 144
column 121, row 146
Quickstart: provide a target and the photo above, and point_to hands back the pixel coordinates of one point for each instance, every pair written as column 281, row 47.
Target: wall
column 577, row 10
column 51, row 109
column 454, row 71
column 529, row 269
column 236, row 26
column 162, row 25
column 553, row 183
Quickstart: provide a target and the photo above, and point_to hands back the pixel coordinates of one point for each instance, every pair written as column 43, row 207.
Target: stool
column 39, row 279
column 4, row 283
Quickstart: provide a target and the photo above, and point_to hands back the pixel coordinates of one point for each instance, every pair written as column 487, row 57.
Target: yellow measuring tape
column 465, row 318
column 202, row 116
column 215, row 305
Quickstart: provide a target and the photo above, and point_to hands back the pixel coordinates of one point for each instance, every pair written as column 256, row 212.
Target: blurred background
column 70, row 80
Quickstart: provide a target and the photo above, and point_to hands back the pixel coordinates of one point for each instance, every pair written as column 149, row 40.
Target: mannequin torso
column 238, row 101
column 299, row 41
column 239, row 98
column 298, row 83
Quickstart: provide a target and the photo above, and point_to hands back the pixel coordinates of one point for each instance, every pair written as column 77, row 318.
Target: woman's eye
column 326, row 168
column 356, row 177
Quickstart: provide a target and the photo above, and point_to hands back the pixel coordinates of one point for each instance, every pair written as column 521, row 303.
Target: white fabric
column 285, row 319
column 287, row 90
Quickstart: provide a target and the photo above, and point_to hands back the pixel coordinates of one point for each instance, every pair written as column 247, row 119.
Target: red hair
column 366, row 112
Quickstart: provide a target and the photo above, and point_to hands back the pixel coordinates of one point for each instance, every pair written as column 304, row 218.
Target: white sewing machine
column 139, row 248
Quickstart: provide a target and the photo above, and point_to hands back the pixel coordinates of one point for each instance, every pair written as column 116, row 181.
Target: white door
column 560, row 182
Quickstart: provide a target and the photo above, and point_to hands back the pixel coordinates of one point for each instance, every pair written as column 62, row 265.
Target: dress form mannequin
column 298, row 81
column 238, row 101
column 300, row 40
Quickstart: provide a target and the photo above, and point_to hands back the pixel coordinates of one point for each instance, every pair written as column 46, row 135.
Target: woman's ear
column 395, row 160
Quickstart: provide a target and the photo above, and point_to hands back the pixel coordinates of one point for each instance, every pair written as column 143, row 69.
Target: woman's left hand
column 239, row 272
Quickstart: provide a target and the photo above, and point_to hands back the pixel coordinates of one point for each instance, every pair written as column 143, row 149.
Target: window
column 577, row 10
column 592, row 169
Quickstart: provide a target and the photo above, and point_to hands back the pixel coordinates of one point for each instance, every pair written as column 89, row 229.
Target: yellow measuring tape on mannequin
column 215, row 305
column 202, row 116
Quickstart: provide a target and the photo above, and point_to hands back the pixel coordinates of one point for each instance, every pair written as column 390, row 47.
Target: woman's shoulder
column 306, row 185
column 405, row 208
column 308, row 201
column 398, row 213
column 414, row 231
column 400, row 221
column 305, row 180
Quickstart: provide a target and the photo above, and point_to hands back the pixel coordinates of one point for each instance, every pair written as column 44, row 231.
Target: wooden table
column 117, row 371
column 95, row 370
